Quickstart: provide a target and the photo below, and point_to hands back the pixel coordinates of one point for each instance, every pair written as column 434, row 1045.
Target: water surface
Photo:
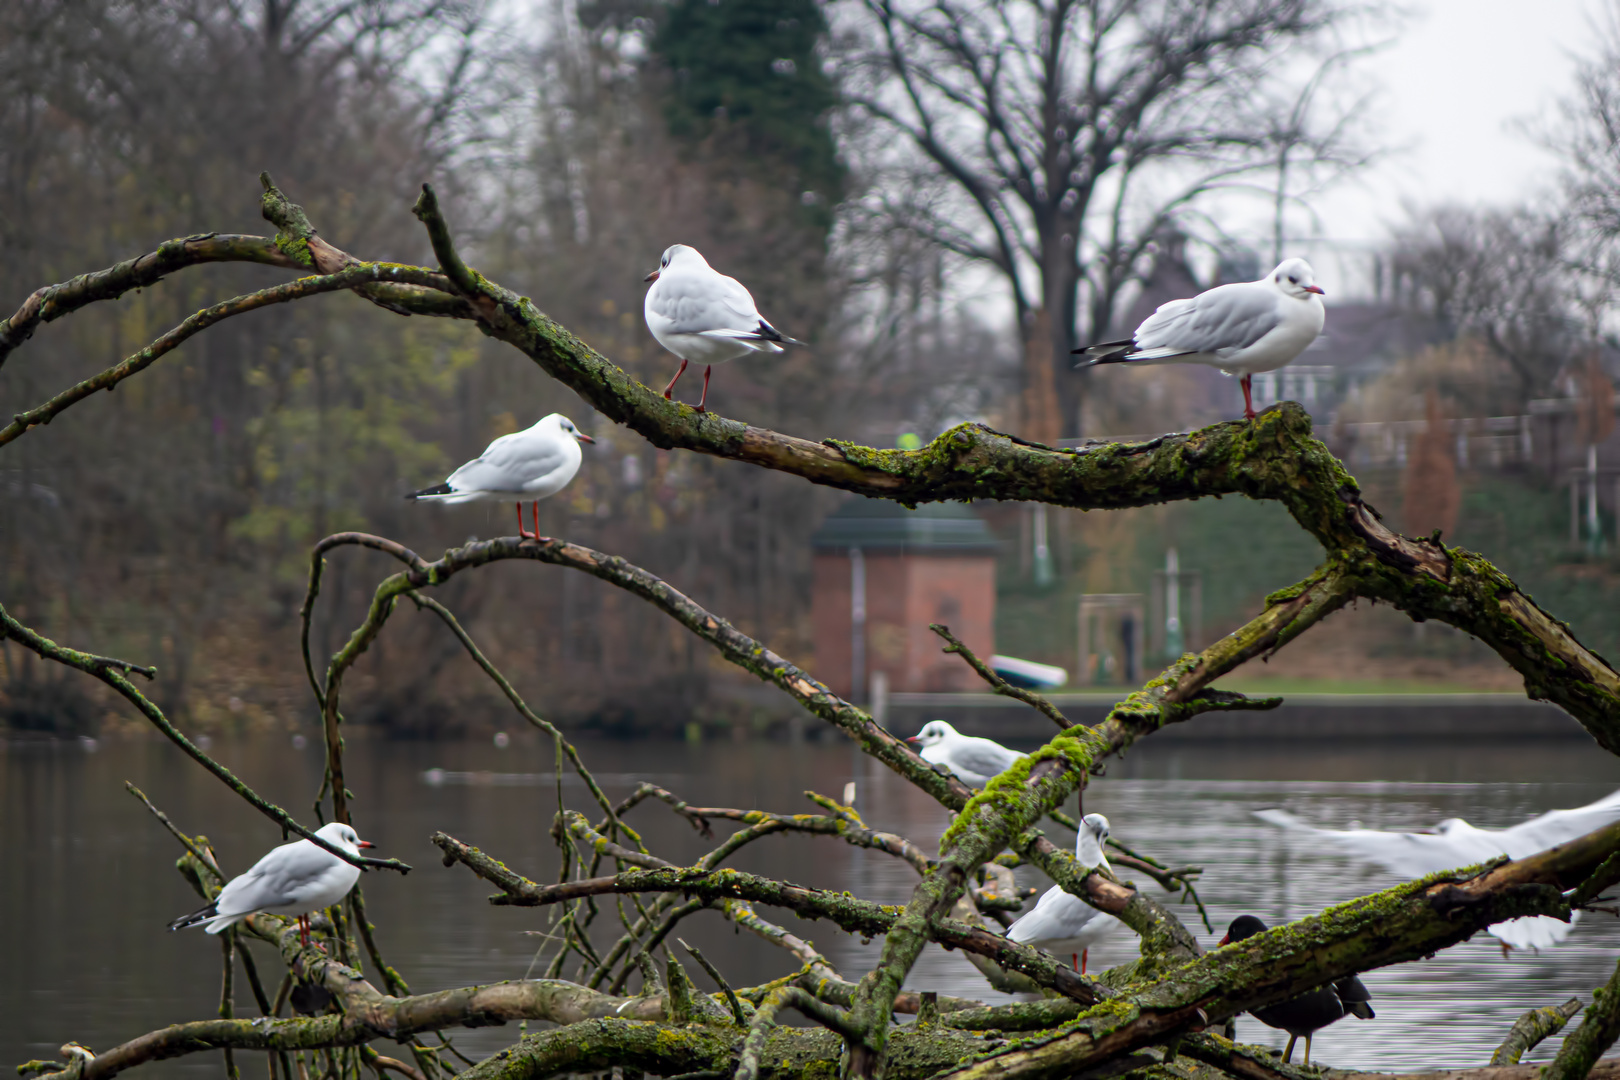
column 90, row 879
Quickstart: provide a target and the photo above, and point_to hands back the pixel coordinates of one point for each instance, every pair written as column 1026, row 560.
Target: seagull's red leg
column 705, row 398
column 1076, row 957
column 1083, row 961
column 520, row 522
column 536, row 507
column 303, row 930
column 673, row 381
column 1248, row 402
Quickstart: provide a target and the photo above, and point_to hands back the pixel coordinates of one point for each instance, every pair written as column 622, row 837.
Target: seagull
column 1454, row 843
column 1312, row 1011
column 293, row 879
column 1243, row 328
column 972, row 759
column 699, row 314
column 524, row 466
column 1061, row 921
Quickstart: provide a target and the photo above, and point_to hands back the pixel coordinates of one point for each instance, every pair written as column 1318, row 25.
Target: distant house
column 882, row 574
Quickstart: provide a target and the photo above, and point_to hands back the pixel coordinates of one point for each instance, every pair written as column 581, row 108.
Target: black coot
column 1308, row 1013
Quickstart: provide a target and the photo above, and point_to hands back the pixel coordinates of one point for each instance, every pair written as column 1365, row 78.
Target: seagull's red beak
column 582, row 437
column 364, row 843
column 913, row 738
column 1226, row 940
column 652, row 276
column 1317, row 289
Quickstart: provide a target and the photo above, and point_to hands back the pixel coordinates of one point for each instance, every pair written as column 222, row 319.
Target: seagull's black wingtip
column 436, row 489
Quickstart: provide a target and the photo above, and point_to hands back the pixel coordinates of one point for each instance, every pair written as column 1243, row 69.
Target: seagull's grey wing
column 700, row 303
column 983, row 756
column 1229, row 317
column 1057, row 916
column 1410, row 855
column 304, row 871
column 1558, row 826
column 510, row 462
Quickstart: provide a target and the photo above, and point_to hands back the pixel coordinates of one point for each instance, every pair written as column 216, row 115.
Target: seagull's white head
column 1088, row 845
column 1295, row 278
column 677, row 255
column 933, row 733
column 340, row 835
column 566, row 426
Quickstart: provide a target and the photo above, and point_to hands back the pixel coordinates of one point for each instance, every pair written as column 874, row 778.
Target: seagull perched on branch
column 699, row 314
column 1454, row 843
column 525, row 466
column 293, row 879
column 1061, row 921
column 1243, row 328
column 972, row 759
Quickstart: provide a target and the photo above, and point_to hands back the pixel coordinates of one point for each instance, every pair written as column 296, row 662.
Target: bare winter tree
column 1053, row 141
column 1505, row 276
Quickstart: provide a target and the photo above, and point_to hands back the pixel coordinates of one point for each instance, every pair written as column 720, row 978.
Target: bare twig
column 997, row 683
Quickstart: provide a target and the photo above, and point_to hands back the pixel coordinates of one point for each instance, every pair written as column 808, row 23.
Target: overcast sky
column 1460, row 78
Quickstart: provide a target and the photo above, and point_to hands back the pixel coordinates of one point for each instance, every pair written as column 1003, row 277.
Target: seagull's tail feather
column 1276, row 815
column 771, row 333
column 201, row 915
column 436, row 491
column 1104, row 352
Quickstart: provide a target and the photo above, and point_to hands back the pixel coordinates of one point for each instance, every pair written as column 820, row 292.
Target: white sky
column 1455, row 85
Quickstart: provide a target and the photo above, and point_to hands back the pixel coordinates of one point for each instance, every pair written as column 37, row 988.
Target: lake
column 91, row 885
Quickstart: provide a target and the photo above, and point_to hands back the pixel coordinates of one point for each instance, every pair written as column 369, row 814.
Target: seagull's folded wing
column 306, row 873
column 1229, row 317
column 699, row 303
column 983, row 756
column 511, row 462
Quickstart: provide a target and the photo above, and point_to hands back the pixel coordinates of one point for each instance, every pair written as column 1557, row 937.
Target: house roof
column 946, row 528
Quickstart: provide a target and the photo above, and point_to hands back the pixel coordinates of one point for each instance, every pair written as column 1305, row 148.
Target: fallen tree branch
column 1532, row 1028
column 110, row 674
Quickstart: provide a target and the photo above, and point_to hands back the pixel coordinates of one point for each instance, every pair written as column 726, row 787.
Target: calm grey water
column 90, row 881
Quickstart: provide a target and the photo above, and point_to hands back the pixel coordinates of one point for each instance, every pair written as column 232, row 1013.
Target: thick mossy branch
column 1391, row 927
column 1529, row 1030
column 134, row 364
column 1598, row 1030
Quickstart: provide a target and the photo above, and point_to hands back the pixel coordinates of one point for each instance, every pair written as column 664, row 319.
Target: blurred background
column 941, row 198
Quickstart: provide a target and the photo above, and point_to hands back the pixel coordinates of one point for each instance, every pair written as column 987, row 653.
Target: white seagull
column 699, row 314
column 1062, row 922
column 1243, row 328
column 293, row 879
column 1454, row 843
column 972, row 759
column 525, row 466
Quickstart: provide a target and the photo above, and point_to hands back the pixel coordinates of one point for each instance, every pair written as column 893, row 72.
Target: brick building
column 908, row 568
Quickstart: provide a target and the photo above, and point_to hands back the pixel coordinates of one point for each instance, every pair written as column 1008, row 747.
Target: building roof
column 944, row 528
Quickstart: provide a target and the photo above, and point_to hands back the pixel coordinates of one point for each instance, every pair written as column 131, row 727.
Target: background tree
column 1051, row 142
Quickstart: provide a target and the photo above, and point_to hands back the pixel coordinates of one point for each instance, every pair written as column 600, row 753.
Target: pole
column 1174, row 639
column 857, row 623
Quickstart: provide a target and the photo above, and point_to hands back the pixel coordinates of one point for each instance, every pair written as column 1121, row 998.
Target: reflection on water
column 91, row 884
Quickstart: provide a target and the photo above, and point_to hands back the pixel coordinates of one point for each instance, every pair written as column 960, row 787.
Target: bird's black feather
column 202, row 914
column 436, row 489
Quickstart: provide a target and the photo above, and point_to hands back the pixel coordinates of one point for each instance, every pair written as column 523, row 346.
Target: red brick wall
column 904, row 593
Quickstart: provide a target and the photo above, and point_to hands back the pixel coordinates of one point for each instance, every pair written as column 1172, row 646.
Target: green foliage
column 749, row 69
